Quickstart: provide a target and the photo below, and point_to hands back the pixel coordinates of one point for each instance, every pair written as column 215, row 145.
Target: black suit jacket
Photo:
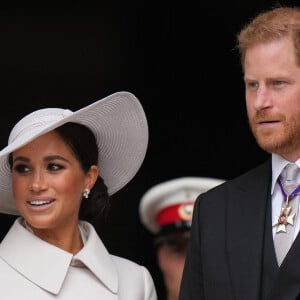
column 227, row 243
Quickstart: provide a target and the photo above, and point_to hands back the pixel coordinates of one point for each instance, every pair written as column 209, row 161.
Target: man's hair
column 277, row 23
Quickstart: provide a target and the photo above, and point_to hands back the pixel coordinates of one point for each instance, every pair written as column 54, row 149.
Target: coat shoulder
column 135, row 281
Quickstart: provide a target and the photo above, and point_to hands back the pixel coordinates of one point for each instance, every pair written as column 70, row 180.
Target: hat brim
column 121, row 130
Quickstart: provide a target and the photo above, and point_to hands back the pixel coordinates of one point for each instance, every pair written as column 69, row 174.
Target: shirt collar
column 278, row 164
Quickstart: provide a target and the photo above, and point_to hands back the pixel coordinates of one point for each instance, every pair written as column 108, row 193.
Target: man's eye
column 21, row 168
column 278, row 82
column 252, row 85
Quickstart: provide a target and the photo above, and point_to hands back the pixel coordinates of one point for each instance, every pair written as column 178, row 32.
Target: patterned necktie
column 285, row 224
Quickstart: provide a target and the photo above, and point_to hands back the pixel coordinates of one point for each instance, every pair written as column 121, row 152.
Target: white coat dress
column 32, row 269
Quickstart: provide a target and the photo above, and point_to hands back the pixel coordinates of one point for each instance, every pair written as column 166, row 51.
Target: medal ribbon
column 287, row 197
column 285, row 218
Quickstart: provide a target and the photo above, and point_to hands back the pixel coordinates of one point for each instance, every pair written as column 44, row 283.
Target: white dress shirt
column 278, row 164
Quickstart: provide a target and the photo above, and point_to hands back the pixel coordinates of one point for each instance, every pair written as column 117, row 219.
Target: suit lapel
column 246, row 211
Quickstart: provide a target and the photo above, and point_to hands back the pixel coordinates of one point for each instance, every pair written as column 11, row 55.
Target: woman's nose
column 38, row 182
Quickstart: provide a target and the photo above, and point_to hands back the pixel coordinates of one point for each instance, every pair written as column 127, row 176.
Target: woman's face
column 48, row 183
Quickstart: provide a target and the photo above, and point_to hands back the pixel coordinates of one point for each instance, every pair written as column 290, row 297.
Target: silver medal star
column 284, row 219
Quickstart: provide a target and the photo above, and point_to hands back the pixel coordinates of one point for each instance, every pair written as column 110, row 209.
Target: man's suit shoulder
column 252, row 176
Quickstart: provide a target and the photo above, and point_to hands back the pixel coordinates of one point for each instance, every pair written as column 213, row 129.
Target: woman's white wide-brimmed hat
column 118, row 123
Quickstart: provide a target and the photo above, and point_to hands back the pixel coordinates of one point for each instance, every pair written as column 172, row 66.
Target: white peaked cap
column 172, row 201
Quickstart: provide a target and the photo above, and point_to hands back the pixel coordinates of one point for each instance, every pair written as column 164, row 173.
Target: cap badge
column 185, row 211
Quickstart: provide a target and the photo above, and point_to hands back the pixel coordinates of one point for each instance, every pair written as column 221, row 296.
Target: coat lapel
column 246, row 211
column 17, row 250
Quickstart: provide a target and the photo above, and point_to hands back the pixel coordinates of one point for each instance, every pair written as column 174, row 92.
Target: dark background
column 178, row 58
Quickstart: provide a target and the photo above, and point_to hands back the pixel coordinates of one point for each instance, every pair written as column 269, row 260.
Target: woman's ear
column 92, row 176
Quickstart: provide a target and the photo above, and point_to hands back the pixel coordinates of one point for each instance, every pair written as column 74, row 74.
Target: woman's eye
column 55, row 167
column 21, row 168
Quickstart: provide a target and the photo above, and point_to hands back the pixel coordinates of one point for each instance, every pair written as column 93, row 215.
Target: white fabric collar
column 35, row 259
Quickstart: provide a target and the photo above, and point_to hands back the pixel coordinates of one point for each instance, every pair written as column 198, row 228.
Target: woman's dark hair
column 82, row 142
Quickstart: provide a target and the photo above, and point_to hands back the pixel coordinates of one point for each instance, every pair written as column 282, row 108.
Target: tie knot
column 289, row 176
column 291, row 172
